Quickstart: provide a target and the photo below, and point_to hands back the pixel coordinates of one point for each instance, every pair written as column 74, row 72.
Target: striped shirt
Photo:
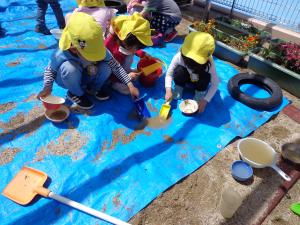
column 60, row 57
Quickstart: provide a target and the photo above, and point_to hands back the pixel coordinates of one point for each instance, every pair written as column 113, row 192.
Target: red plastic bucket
column 150, row 79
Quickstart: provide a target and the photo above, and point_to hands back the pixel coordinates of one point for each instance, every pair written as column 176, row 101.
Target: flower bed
column 241, row 27
column 281, row 61
column 228, row 47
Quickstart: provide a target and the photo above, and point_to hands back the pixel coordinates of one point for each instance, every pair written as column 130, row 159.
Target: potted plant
column 239, row 27
column 228, row 47
column 279, row 60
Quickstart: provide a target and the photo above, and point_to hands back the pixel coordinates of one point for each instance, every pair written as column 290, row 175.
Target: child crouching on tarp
column 98, row 10
column 164, row 16
column 195, row 66
column 129, row 35
column 82, row 64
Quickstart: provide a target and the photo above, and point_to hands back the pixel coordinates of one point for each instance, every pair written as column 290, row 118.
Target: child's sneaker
column 82, row 101
column 120, row 87
column 170, row 36
column 102, row 95
column 42, row 30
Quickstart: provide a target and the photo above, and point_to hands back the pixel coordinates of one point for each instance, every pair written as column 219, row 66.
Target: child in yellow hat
column 164, row 16
column 82, row 64
column 195, row 66
column 98, row 10
column 129, row 35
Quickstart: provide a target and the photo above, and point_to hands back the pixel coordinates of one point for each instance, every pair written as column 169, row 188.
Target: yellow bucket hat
column 135, row 24
column 198, row 46
column 84, row 33
column 91, row 3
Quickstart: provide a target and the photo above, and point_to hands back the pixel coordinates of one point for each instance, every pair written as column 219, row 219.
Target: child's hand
column 202, row 105
column 168, row 96
column 133, row 90
column 134, row 75
column 43, row 93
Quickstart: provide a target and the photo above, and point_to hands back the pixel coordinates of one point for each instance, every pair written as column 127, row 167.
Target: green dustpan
column 295, row 207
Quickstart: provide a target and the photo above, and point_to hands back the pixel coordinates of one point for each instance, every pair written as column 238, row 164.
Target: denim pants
column 42, row 6
column 73, row 77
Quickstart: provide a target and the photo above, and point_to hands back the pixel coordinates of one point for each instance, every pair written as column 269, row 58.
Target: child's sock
column 177, row 93
column 199, row 95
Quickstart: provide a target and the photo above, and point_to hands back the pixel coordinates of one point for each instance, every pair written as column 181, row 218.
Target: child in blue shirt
column 82, row 64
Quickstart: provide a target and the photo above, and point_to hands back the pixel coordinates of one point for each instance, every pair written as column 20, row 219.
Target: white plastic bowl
column 50, row 113
column 188, row 106
column 259, row 154
column 56, row 33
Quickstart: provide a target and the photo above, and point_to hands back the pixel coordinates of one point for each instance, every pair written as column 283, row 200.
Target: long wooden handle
column 86, row 209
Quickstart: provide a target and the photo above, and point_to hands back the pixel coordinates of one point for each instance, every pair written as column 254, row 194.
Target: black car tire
column 266, row 83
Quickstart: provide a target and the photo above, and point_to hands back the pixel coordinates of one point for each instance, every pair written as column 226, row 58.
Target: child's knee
column 69, row 70
column 104, row 70
column 180, row 75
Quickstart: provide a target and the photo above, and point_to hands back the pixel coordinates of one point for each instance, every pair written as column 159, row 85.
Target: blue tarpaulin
column 102, row 158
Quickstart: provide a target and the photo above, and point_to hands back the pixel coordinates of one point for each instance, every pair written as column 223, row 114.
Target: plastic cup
column 230, row 202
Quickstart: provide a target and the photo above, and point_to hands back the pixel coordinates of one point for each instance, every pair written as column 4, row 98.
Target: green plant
column 244, row 43
column 272, row 52
column 208, row 27
column 283, row 53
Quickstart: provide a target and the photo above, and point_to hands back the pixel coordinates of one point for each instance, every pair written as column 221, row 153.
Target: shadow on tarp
column 104, row 178
column 216, row 114
column 19, row 82
column 17, row 33
column 13, row 51
column 31, row 126
column 26, row 129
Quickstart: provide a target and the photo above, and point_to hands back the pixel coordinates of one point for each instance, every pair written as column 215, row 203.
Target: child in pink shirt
column 98, row 10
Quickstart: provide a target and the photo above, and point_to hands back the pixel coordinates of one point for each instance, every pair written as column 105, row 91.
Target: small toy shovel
column 141, row 108
column 164, row 111
column 29, row 182
column 295, row 207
